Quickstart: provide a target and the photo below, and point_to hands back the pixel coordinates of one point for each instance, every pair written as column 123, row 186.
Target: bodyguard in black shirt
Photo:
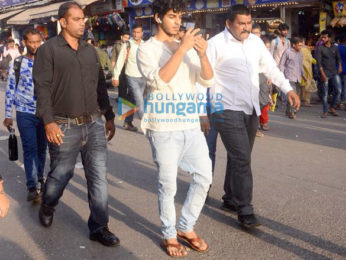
column 71, row 97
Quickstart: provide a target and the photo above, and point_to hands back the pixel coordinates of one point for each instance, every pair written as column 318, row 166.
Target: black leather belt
column 81, row 120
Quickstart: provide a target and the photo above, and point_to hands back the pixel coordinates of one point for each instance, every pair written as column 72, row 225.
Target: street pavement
column 299, row 196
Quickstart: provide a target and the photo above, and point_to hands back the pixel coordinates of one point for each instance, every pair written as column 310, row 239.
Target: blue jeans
column 336, row 81
column 136, row 87
column 188, row 150
column 34, row 144
column 88, row 139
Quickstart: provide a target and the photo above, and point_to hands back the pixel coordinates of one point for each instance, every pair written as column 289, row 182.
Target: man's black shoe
column 105, row 237
column 228, row 207
column 130, row 127
column 45, row 215
column 32, row 194
column 248, row 221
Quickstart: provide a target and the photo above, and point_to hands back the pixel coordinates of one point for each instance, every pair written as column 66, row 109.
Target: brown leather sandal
column 191, row 242
column 164, row 245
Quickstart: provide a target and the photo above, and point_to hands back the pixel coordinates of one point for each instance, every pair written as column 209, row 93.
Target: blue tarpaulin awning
column 10, row 3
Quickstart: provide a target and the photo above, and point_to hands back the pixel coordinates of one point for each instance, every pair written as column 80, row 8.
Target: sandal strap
column 192, row 240
column 177, row 246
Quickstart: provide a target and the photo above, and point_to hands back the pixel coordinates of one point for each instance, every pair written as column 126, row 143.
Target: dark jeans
column 343, row 85
column 290, row 109
column 237, row 131
column 34, row 144
column 336, row 81
column 88, row 139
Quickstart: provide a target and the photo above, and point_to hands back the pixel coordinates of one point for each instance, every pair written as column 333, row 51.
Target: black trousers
column 238, row 132
column 122, row 88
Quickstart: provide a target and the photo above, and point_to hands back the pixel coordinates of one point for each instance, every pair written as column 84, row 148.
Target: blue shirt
column 342, row 51
column 23, row 97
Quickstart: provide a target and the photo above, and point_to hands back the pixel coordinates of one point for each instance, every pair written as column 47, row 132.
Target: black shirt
column 69, row 83
column 328, row 58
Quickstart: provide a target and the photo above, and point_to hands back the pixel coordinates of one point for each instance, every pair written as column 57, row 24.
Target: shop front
column 210, row 15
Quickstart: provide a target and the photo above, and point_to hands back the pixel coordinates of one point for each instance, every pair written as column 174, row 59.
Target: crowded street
column 299, row 195
column 159, row 129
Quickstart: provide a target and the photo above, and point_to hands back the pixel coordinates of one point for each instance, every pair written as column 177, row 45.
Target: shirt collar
column 230, row 37
column 63, row 42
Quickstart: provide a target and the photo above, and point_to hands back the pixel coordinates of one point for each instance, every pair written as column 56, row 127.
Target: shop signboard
column 136, row 3
column 323, row 21
column 9, row 3
column 143, row 7
column 339, row 8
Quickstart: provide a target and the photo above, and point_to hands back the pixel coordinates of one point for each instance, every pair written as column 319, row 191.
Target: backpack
column 16, row 67
column 4, row 63
column 277, row 43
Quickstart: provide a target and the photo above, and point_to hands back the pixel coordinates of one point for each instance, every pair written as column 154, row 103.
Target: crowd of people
column 59, row 91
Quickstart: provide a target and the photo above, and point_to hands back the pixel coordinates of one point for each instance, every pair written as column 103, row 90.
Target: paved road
column 299, row 195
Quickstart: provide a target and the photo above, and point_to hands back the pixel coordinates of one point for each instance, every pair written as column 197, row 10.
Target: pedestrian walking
column 329, row 64
column 134, row 79
column 71, row 97
column 237, row 80
column 280, row 43
column 20, row 94
column 291, row 64
column 342, row 51
column 308, row 85
column 171, row 69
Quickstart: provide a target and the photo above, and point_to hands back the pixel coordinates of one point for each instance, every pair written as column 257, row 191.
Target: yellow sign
column 323, row 21
column 339, row 8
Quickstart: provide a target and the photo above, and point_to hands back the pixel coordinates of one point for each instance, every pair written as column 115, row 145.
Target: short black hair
column 137, row 25
column 235, row 10
column 326, row 32
column 256, row 26
column 32, row 31
column 63, row 9
column 161, row 7
column 125, row 32
column 10, row 41
column 283, row 27
column 296, row 40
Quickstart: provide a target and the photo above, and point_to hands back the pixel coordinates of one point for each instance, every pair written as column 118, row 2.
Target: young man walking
column 328, row 60
column 134, row 79
column 171, row 69
column 291, row 64
column 20, row 93
column 122, row 87
column 280, row 43
column 71, row 97
column 237, row 79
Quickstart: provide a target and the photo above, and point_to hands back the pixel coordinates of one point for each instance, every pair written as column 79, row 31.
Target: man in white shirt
column 135, row 81
column 171, row 121
column 237, row 57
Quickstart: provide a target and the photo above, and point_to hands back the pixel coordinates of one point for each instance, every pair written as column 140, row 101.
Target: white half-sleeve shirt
column 236, row 67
